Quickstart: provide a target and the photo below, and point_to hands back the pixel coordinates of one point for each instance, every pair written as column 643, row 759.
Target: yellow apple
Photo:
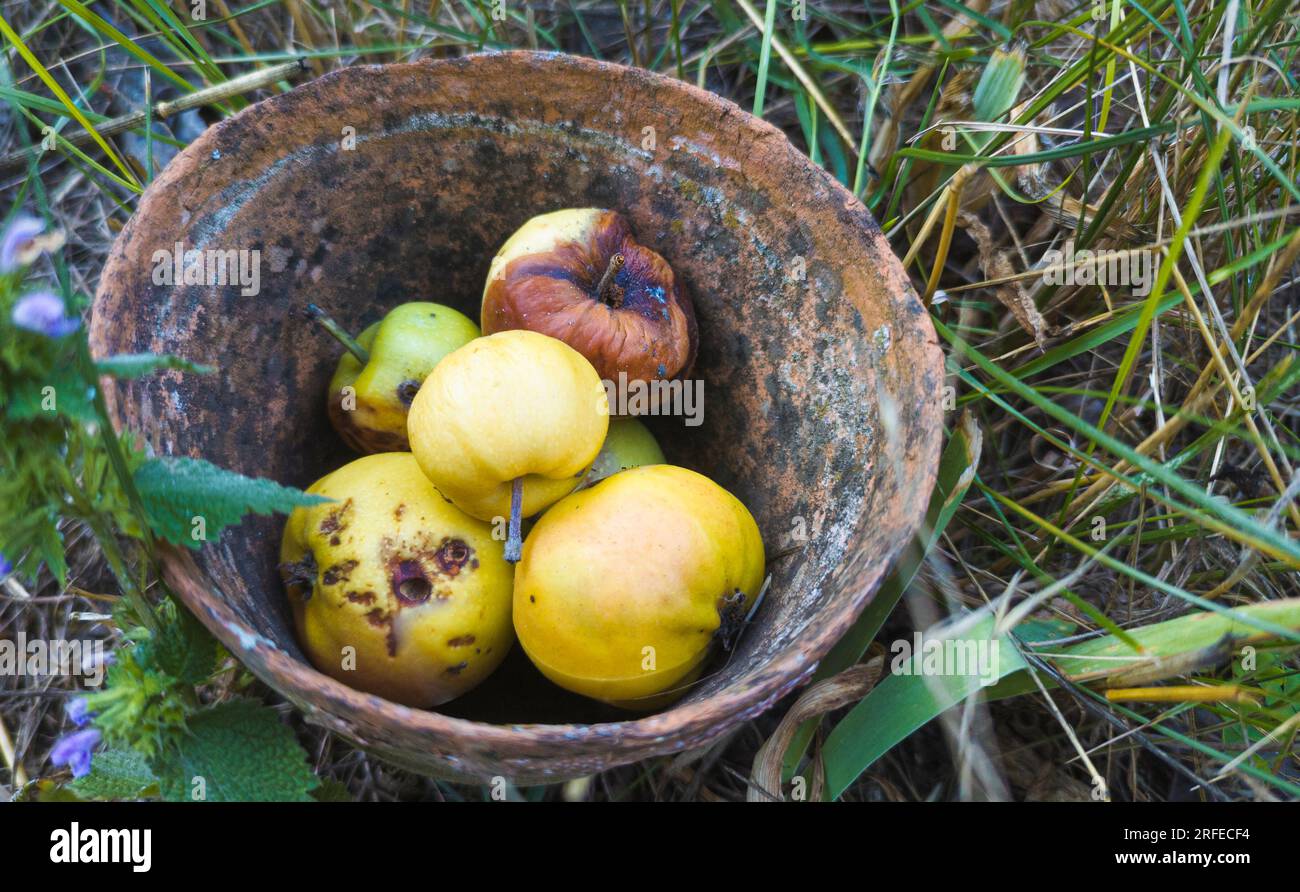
column 623, row 586
column 508, row 424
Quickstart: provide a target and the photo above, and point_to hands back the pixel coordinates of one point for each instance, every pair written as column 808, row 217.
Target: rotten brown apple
column 579, row 275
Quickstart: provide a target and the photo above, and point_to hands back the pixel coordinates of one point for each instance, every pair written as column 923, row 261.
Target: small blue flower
column 42, row 312
column 5, row 566
column 75, row 750
column 17, row 238
column 78, row 712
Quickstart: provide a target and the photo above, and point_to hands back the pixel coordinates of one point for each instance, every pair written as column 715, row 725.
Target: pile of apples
column 414, row 579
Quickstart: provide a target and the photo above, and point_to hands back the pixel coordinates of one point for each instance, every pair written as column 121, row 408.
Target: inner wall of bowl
column 416, row 210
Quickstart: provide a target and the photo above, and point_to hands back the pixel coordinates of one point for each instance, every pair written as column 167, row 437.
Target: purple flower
column 16, row 247
column 5, row 566
column 74, row 750
column 78, row 712
column 42, row 312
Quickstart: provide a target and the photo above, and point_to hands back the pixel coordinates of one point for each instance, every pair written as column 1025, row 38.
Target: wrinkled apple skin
column 546, row 278
column 404, row 347
column 512, row 404
column 629, row 444
column 418, row 588
column 650, row 557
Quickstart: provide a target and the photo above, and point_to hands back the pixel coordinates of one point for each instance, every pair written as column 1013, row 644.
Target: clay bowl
column 821, row 367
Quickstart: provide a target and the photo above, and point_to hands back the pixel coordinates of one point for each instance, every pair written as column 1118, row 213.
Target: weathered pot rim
column 642, row 736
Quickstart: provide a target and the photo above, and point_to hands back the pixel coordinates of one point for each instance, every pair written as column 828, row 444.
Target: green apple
column 629, row 444
column 383, row 368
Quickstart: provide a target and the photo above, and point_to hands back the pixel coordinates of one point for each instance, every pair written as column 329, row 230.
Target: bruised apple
column 380, row 371
column 394, row 590
column 580, row 275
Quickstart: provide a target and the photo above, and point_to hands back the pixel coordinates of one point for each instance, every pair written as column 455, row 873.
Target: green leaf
column 62, row 392
column 1122, row 322
column 765, row 57
column 237, row 751
column 1036, row 631
column 182, row 647
column 1171, row 647
column 116, row 774
column 137, row 365
column 998, row 88
column 189, row 500
column 141, row 707
column 902, row 703
column 127, row 44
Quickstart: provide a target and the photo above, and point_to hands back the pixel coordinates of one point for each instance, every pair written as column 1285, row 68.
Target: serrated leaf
column 182, row 647
column 136, row 365
column 143, row 708
column 62, row 393
column 237, row 751
column 189, row 501
column 116, row 774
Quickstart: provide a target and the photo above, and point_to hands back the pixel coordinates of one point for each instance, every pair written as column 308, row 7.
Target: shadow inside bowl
column 375, row 186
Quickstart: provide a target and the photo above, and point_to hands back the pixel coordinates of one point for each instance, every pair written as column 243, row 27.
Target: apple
column 394, row 590
column 579, row 275
column 507, row 425
column 629, row 444
column 377, row 377
column 623, row 587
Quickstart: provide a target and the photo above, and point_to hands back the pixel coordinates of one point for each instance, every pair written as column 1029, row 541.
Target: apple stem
column 340, row 334
column 604, row 289
column 514, row 541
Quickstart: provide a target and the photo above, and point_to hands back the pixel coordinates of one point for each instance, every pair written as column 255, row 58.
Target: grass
column 1120, row 458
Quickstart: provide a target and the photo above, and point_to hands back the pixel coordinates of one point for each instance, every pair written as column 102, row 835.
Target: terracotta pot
column 822, row 371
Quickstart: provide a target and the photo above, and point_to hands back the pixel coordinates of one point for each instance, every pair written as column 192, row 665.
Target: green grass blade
column 53, row 85
column 764, row 57
column 900, row 704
